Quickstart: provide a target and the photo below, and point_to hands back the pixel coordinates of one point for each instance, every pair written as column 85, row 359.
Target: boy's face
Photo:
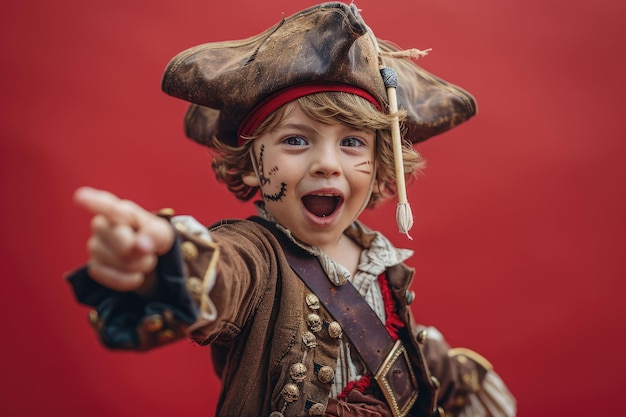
column 315, row 178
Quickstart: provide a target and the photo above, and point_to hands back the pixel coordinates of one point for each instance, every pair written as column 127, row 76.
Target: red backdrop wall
column 519, row 234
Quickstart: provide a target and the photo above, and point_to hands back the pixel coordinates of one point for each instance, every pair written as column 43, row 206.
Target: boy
column 306, row 309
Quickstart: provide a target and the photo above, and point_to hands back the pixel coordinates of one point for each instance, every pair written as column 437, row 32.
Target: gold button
column 439, row 412
column 325, row 374
column 93, row 317
column 410, row 296
column 153, row 323
column 297, row 371
column 313, row 302
column 421, row 336
column 315, row 322
column 309, row 340
column 194, row 286
column 290, row 392
column 276, row 414
column 317, row 409
column 165, row 336
column 189, row 251
column 435, row 381
column 334, row 330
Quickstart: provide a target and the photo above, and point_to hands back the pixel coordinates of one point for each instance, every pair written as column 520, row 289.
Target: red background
column 519, row 233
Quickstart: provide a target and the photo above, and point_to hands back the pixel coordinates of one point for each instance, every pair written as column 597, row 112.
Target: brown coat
column 253, row 310
column 261, row 316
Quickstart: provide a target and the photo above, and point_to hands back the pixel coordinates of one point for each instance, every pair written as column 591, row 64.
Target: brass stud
column 334, row 330
column 421, row 337
column 297, row 371
column 315, row 322
column 410, row 296
column 309, row 340
column 317, row 409
column 189, row 251
column 325, row 374
column 194, row 286
column 313, row 302
column 165, row 336
column 94, row 318
column 153, row 323
column 290, row 392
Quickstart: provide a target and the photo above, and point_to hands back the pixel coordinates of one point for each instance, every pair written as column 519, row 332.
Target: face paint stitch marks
column 278, row 196
column 263, row 180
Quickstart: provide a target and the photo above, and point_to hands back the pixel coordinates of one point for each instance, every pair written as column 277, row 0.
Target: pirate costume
column 264, row 300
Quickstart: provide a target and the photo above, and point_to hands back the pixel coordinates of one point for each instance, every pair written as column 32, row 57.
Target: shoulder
column 247, row 228
column 245, row 236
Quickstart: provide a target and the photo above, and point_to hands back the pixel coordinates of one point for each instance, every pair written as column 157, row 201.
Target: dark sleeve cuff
column 126, row 320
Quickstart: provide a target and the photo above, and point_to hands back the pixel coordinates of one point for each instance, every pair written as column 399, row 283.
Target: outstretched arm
column 151, row 281
column 134, row 279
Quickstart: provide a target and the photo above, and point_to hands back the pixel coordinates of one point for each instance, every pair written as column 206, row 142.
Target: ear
column 251, row 179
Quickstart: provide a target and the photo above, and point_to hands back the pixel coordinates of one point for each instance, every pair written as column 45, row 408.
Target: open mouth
column 321, row 205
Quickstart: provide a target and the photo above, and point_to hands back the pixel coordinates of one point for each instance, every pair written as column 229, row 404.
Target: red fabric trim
column 279, row 98
column 359, row 385
column 393, row 324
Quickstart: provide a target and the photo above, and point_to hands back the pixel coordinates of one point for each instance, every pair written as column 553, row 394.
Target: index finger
column 107, row 204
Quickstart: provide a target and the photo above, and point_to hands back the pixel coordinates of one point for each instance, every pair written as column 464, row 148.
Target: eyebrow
column 310, row 129
column 298, row 126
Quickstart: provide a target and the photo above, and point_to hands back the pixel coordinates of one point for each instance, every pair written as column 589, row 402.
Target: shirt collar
column 378, row 252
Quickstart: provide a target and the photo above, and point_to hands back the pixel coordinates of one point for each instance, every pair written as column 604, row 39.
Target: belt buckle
column 397, row 381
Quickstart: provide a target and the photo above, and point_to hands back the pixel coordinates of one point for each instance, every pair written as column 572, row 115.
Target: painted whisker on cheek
column 362, row 167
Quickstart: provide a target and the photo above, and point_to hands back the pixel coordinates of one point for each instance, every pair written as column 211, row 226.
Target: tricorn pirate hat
column 324, row 47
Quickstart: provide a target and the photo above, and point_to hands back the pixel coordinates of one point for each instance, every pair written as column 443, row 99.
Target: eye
column 295, row 141
column 352, row 142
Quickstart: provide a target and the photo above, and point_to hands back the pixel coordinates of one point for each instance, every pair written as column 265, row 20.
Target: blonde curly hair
column 231, row 163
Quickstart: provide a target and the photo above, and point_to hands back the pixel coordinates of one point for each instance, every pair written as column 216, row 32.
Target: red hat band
column 279, row 98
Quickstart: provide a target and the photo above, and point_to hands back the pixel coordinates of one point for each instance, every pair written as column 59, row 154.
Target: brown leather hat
column 327, row 43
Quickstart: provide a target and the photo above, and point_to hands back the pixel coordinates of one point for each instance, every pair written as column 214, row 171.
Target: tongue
column 321, row 206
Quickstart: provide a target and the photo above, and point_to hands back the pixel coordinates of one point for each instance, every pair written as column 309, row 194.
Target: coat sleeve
column 468, row 385
column 207, row 287
column 126, row 320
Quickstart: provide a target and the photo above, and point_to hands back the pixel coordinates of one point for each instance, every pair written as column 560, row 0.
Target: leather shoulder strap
column 357, row 319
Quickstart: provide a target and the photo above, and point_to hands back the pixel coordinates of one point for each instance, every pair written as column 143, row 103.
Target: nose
column 326, row 161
